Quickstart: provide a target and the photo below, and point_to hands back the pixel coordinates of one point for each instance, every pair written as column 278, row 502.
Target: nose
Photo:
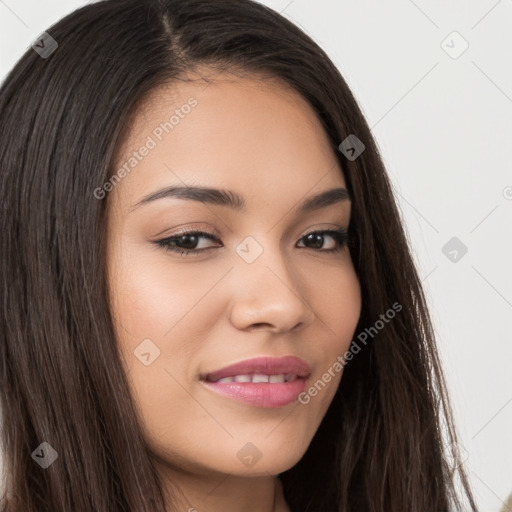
column 267, row 295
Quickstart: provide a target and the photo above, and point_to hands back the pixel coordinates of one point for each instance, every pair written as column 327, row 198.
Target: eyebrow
column 230, row 199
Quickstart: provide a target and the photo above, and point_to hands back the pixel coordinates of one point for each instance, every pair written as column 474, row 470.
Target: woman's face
column 260, row 287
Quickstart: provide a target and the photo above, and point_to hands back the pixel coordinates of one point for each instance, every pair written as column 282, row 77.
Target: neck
column 223, row 493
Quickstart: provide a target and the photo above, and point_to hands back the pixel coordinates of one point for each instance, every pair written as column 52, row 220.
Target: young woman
column 208, row 300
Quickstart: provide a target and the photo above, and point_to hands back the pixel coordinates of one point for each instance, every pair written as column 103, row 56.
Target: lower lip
column 261, row 394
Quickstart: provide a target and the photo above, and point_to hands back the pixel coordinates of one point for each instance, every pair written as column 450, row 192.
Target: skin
column 263, row 141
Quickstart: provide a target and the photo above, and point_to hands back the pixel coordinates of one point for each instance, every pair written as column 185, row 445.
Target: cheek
column 338, row 308
column 336, row 293
column 154, row 295
column 155, row 311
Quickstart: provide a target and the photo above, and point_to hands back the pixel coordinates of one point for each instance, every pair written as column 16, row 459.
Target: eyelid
column 204, row 229
column 201, row 227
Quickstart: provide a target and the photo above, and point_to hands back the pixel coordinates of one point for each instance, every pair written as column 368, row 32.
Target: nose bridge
column 267, row 289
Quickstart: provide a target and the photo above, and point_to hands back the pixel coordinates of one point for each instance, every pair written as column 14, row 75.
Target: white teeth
column 258, row 378
column 243, row 378
column 226, row 379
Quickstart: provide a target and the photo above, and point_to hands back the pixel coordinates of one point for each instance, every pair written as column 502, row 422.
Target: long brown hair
column 388, row 441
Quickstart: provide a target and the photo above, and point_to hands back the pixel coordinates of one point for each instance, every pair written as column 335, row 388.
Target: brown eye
column 316, row 239
column 186, row 242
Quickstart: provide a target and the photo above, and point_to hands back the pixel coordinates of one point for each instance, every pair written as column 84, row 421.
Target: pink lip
column 261, row 394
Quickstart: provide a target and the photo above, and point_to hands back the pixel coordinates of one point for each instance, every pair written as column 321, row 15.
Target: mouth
column 259, row 368
column 257, row 378
column 261, row 382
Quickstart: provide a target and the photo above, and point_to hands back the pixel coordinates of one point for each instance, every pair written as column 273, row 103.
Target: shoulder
column 507, row 505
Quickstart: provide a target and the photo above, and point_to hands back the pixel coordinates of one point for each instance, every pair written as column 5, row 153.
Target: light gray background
column 444, row 126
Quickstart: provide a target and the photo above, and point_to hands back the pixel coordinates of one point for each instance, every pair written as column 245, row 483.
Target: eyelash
column 339, row 235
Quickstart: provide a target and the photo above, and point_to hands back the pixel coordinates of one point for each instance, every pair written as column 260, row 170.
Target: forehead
column 251, row 134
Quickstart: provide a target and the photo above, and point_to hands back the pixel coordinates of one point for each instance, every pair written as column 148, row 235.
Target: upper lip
column 265, row 365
